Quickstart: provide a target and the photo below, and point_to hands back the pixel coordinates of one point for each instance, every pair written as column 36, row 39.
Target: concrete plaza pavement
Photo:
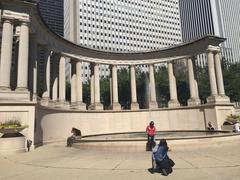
column 57, row 162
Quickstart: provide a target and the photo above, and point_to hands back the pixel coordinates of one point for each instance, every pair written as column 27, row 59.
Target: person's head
column 151, row 123
column 209, row 124
column 163, row 142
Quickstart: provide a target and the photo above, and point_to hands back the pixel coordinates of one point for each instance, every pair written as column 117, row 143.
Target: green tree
column 231, row 75
column 124, row 90
column 86, row 93
column 142, row 88
column 162, row 86
column 105, row 92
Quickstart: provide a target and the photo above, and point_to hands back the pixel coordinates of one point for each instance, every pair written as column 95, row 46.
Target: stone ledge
column 15, row 96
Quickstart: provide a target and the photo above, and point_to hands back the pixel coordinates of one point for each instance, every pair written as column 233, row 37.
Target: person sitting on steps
column 76, row 133
column 210, row 127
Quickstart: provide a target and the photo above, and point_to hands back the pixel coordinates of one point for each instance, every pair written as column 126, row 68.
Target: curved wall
column 54, row 125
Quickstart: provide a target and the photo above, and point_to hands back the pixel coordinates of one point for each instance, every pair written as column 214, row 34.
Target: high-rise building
column 52, row 12
column 123, row 25
column 215, row 17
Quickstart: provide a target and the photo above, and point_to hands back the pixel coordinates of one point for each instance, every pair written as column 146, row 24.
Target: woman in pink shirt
column 151, row 131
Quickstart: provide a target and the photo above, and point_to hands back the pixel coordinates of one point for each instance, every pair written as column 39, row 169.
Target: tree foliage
column 231, row 75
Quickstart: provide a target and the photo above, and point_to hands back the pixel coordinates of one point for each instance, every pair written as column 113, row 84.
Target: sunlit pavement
column 56, row 162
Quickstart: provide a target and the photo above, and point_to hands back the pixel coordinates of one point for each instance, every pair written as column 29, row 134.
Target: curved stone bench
column 139, row 144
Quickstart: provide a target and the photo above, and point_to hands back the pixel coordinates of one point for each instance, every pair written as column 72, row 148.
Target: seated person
column 210, row 127
column 236, row 127
column 75, row 133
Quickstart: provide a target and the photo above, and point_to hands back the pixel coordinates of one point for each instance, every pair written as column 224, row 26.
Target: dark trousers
column 150, row 142
column 70, row 141
column 164, row 164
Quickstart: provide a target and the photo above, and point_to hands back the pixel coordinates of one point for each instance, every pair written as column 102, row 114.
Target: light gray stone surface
column 58, row 162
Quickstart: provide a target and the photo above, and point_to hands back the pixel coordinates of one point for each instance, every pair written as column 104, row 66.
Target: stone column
column 46, row 94
column 33, row 67
column 212, row 77
column 91, row 87
column 194, row 100
column 97, row 103
column 134, row 104
column 173, row 87
column 80, row 104
column 111, row 89
column 153, row 102
column 55, row 78
column 62, row 82
column 73, row 82
column 22, row 79
column 6, row 55
column 115, row 104
column 219, row 75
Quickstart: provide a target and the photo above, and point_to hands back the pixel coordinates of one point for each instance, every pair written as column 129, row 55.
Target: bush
column 233, row 118
column 11, row 124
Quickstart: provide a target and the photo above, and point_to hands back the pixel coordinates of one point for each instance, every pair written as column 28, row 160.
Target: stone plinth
column 134, row 106
column 193, row 102
column 44, row 101
column 78, row 105
column 218, row 99
column 96, row 106
column 116, row 106
column 62, row 104
column 153, row 105
column 15, row 96
column 173, row 103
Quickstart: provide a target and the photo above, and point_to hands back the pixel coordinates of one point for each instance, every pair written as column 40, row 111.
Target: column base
column 218, row 99
column 3, row 88
column 194, row 102
column 134, row 106
column 34, row 97
column 153, row 105
column 116, row 106
column 62, row 104
column 173, row 103
column 21, row 89
column 44, row 101
column 95, row 106
column 14, row 96
column 78, row 106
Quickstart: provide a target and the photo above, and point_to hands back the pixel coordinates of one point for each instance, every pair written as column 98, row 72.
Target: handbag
column 171, row 162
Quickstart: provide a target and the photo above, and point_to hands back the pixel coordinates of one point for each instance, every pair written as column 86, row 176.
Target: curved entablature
column 58, row 44
column 123, row 62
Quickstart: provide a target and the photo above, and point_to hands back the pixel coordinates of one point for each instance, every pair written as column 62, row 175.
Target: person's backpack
column 160, row 154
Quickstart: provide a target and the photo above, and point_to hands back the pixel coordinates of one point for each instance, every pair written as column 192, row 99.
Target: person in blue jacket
column 160, row 158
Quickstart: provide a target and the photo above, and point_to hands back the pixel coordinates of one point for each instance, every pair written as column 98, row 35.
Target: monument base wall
column 55, row 124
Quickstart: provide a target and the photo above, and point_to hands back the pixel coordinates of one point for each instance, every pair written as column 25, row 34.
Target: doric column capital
column 24, row 23
column 10, row 21
column 213, row 49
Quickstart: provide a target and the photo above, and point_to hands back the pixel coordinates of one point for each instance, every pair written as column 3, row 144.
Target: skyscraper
column 216, row 17
column 52, row 12
column 123, row 25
